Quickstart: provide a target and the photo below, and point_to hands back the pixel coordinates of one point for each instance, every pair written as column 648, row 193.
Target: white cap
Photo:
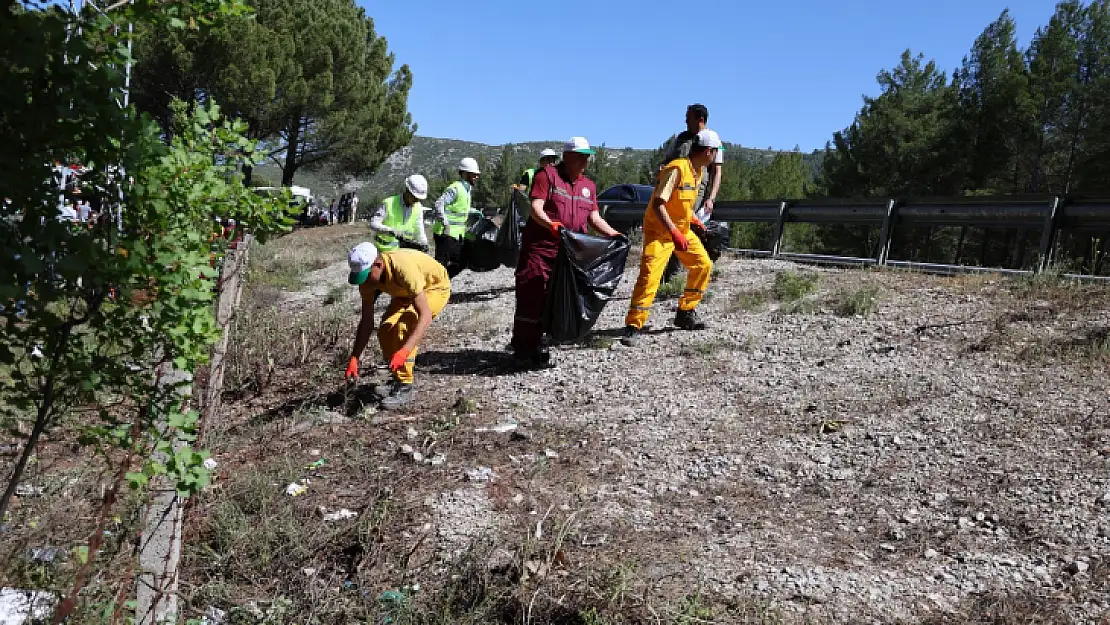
column 578, row 144
column 707, row 139
column 548, row 152
column 417, row 185
column 469, row 165
column 360, row 259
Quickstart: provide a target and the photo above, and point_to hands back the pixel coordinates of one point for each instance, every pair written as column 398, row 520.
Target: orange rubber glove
column 680, row 242
column 398, row 360
column 555, row 225
column 697, row 222
column 352, row 368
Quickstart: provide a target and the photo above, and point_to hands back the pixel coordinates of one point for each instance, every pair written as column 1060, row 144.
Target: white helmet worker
column 417, row 185
column 469, row 166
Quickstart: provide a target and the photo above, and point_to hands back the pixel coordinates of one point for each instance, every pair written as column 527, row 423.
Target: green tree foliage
column 493, row 187
column 107, row 308
column 1008, row 122
column 311, row 78
column 608, row 168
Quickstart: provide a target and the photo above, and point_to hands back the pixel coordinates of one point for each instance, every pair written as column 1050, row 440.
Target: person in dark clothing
column 562, row 197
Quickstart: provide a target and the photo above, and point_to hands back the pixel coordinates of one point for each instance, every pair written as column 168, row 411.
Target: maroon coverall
column 569, row 203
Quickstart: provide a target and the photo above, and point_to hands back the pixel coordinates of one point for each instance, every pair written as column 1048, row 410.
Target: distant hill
column 433, row 156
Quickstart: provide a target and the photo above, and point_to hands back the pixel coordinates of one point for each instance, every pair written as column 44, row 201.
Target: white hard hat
column 469, row 165
column 549, row 152
column 417, row 186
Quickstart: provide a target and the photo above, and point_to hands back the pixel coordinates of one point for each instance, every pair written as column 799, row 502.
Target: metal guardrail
column 1049, row 215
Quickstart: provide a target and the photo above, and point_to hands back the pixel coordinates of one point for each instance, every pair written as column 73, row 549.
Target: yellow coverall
column 406, row 274
column 678, row 188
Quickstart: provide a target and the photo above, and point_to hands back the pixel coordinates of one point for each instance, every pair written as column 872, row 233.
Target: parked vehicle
column 619, row 195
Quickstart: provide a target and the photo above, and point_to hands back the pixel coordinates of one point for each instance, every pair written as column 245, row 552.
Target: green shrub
column 791, row 286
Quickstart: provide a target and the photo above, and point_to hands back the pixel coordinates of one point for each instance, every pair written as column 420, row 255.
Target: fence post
column 160, row 542
column 887, row 232
column 1048, row 234
column 780, row 226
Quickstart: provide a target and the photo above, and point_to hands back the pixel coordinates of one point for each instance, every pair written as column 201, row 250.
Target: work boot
column 631, row 337
column 399, row 396
column 539, row 359
column 688, row 320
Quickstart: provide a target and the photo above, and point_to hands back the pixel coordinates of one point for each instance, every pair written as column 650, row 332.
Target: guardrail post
column 886, row 233
column 780, row 226
column 1048, row 235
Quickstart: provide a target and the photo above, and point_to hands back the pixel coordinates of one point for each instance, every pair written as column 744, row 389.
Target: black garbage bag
column 479, row 249
column 714, row 238
column 587, row 272
column 508, row 236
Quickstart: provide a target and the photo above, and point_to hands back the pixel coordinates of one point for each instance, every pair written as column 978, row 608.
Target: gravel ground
column 953, row 445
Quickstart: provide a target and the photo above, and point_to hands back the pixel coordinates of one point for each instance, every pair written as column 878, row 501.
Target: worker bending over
column 667, row 224
column 419, row 288
column 453, row 209
column 400, row 218
column 562, row 197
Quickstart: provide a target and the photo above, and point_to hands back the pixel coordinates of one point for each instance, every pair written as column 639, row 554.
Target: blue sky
column 774, row 73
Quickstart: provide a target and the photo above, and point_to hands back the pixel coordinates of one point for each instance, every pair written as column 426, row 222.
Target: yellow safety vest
column 456, row 213
column 395, row 219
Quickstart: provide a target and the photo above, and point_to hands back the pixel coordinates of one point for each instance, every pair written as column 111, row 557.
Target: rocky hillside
column 432, row 156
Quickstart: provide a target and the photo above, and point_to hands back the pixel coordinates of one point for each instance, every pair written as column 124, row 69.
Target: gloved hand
column 555, row 225
column 697, row 222
column 352, row 368
column 680, row 242
column 398, row 361
column 698, row 228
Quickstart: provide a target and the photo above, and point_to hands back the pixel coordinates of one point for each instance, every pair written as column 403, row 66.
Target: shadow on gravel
column 349, row 402
column 466, row 362
column 480, row 296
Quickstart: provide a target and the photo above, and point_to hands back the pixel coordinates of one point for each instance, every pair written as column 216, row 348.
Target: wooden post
column 160, row 543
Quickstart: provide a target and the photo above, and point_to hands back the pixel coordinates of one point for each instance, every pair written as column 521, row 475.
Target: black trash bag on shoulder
column 587, row 272
column 508, row 236
column 479, row 249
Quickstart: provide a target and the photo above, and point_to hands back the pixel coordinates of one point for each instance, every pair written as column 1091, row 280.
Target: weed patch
column 673, row 288
column 791, row 286
column 862, row 302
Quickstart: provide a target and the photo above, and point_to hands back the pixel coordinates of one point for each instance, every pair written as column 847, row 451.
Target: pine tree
column 1053, row 58
column 310, row 77
column 996, row 114
column 1087, row 125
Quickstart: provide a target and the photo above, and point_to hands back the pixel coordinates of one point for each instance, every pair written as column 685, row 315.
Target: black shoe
column 399, row 396
column 688, row 320
column 539, row 359
column 631, row 337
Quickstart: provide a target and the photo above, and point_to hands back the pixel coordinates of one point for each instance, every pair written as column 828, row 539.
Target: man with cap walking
column 667, row 222
column 400, row 218
column 562, row 197
column 452, row 211
column 697, row 115
column 419, row 288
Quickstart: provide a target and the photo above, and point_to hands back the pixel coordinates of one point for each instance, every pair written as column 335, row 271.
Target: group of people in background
column 560, row 196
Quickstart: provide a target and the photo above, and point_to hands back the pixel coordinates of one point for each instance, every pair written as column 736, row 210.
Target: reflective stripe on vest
column 456, row 213
column 395, row 219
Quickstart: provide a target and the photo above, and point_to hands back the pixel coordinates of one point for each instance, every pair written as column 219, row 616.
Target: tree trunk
column 291, row 153
column 248, row 175
column 960, row 246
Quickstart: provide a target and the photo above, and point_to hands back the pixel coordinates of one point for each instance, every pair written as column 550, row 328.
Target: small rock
column 437, row 460
column 1077, row 567
column 407, row 450
column 551, row 453
column 417, row 456
column 480, row 474
column 931, row 554
column 887, row 547
column 339, row 515
column 412, row 433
